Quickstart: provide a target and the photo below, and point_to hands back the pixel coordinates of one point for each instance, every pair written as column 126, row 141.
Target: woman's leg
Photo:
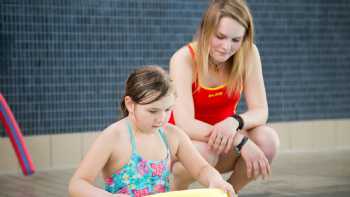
column 267, row 140
column 264, row 137
column 182, row 178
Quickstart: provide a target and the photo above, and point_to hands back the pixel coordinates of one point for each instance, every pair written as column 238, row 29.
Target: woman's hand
column 255, row 161
column 222, row 135
column 223, row 185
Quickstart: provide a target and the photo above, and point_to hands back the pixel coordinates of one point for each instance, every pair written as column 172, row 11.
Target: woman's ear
column 129, row 104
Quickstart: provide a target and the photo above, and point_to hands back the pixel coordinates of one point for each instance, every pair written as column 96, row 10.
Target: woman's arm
column 256, row 114
column 254, row 93
column 181, row 72
column 81, row 184
column 257, row 110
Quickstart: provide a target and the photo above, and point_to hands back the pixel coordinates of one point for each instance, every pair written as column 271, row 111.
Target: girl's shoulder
column 174, row 133
column 176, row 137
column 168, row 127
column 171, row 129
column 115, row 132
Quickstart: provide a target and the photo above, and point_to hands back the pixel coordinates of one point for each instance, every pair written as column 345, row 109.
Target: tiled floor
column 322, row 174
column 317, row 174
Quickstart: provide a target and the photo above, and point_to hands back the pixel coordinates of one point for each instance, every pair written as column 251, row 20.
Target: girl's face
column 151, row 116
column 226, row 40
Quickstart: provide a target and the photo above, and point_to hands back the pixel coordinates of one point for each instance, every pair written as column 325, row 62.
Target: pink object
column 13, row 131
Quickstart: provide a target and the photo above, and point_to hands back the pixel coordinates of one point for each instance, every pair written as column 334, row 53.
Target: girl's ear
column 129, row 104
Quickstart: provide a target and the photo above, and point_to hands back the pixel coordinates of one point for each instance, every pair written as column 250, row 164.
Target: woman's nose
column 227, row 45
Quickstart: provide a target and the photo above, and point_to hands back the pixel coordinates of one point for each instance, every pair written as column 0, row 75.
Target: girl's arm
column 254, row 93
column 81, row 184
column 181, row 73
column 196, row 165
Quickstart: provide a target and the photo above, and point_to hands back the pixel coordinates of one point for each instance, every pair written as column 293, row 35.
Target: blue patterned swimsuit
column 140, row 177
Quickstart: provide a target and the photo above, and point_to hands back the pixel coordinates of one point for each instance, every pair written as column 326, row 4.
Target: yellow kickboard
column 193, row 193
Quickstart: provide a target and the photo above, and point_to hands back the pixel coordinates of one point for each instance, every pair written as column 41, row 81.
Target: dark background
column 63, row 63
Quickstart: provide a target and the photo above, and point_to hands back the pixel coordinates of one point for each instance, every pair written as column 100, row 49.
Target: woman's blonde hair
column 239, row 11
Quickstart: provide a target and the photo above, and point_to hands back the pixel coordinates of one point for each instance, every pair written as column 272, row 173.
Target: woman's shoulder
column 181, row 63
column 253, row 52
column 253, row 56
column 184, row 53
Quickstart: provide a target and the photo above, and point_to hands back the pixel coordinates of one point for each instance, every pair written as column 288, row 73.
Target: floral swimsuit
column 140, row 177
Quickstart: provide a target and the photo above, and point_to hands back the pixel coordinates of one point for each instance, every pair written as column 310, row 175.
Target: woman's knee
column 267, row 139
column 208, row 154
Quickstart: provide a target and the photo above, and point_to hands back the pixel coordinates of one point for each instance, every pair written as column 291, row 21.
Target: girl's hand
column 222, row 135
column 255, row 160
column 223, row 185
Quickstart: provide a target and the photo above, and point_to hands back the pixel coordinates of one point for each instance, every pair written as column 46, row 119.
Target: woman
column 210, row 74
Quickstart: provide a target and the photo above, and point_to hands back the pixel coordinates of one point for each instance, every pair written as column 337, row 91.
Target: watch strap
column 239, row 120
column 243, row 141
column 237, row 149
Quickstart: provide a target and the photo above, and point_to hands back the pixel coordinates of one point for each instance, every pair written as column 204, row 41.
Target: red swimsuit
column 211, row 105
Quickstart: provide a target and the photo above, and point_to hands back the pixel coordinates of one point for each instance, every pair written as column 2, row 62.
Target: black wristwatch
column 240, row 145
column 239, row 120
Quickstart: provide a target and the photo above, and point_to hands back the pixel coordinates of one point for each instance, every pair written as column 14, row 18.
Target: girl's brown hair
column 239, row 11
column 146, row 85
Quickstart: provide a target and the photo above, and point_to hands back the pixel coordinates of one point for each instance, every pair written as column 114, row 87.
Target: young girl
column 134, row 154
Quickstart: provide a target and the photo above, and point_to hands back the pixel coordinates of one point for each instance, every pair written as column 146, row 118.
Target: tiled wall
column 305, row 47
column 63, row 63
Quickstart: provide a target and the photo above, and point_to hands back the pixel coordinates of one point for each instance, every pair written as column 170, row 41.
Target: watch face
column 236, row 151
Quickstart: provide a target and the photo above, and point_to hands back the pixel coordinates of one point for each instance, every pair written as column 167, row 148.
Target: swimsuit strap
column 131, row 136
column 193, row 55
column 164, row 138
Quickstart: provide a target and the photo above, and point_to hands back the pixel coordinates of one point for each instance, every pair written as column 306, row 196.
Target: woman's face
column 226, row 40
